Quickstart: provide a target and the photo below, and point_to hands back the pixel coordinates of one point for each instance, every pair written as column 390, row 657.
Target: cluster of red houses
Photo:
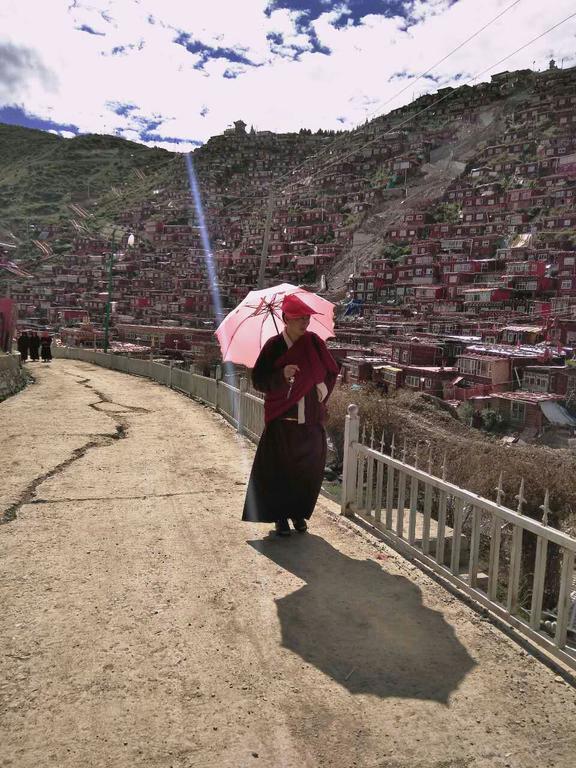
column 472, row 290
column 477, row 300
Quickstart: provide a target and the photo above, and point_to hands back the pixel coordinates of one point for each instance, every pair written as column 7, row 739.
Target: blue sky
column 175, row 72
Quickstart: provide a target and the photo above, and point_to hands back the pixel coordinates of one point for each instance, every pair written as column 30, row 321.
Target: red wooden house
column 417, row 352
column 527, row 410
column 427, row 378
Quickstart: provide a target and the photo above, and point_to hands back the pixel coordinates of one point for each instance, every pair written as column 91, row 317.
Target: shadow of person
column 365, row 628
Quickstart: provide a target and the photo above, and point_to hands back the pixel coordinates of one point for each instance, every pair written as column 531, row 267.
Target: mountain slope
column 40, row 174
column 336, row 196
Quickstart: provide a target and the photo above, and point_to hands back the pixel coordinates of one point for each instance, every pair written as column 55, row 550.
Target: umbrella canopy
column 258, row 317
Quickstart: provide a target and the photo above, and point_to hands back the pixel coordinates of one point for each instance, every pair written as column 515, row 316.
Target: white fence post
column 242, row 404
column 218, row 377
column 351, row 435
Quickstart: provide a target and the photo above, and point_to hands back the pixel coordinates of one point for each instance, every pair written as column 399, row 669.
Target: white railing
column 503, row 560
column 205, row 389
column 160, row 373
column 181, row 380
column 228, row 402
column 243, row 410
column 251, row 415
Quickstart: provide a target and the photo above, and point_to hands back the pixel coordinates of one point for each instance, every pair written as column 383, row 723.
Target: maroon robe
column 289, row 464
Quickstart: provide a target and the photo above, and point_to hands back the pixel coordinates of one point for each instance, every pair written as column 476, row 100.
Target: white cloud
column 159, row 77
column 64, row 134
column 183, row 146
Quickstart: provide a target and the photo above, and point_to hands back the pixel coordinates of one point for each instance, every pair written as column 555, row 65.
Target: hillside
column 40, row 174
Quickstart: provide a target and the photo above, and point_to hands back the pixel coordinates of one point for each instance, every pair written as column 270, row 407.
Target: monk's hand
column 290, row 371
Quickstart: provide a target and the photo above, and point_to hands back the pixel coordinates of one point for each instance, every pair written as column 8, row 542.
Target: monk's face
column 296, row 326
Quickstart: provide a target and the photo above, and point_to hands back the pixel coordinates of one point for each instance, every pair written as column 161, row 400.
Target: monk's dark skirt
column 287, row 472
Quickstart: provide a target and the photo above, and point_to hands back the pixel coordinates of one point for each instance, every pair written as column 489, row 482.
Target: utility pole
column 266, row 240
column 109, row 300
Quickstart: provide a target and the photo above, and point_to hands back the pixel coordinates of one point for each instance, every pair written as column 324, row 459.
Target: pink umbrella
column 258, row 317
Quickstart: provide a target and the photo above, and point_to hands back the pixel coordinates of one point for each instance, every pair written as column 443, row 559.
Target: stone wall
column 12, row 376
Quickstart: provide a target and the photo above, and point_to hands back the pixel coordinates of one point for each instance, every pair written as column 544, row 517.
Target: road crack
column 29, row 492
column 96, row 441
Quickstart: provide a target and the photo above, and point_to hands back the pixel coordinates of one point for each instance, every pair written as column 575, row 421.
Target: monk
column 296, row 373
column 46, row 348
column 23, row 346
column 33, row 345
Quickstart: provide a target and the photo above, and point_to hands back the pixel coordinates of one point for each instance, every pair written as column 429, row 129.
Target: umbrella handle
column 291, row 381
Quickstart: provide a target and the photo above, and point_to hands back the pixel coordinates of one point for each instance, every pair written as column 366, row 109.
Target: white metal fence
column 519, row 568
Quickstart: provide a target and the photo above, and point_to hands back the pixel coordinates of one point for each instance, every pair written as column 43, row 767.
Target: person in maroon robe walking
column 23, row 346
column 46, row 348
column 33, row 345
column 296, row 373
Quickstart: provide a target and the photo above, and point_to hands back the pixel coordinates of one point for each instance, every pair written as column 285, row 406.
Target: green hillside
column 41, row 174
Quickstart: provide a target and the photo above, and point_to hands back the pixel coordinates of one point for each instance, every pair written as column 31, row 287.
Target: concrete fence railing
column 507, row 562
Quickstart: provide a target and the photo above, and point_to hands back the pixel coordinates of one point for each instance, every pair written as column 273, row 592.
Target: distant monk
column 34, row 345
column 297, row 373
column 23, row 346
column 46, row 348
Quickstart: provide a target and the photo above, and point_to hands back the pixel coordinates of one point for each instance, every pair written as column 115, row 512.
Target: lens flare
column 229, row 370
column 204, row 236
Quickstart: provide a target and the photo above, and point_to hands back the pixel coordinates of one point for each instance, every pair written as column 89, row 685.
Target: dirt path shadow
column 363, row 627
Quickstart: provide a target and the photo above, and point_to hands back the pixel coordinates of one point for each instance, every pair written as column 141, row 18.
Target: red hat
column 293, row 307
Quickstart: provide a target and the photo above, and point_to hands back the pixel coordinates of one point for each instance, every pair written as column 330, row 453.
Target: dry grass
column 473, row 459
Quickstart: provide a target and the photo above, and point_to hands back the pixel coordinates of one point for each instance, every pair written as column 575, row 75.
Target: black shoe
column 300, row 524
column 282, row 528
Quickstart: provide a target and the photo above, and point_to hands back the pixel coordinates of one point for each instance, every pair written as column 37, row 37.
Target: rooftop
column 528, row 397
column 527, row 328
column 476, row 356
column 431, row 368
column 463, row 339
column 507, row 350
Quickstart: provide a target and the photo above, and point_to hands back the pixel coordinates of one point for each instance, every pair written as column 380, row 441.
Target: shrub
column 493, row 420
column 465, row 412
column 571, row 403
column 447, row 212
column 393, row 252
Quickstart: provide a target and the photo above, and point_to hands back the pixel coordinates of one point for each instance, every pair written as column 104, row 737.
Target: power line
column 442, row 60
column 448, row 95
column 419, row 77
column 346, row 137
column 412, row 117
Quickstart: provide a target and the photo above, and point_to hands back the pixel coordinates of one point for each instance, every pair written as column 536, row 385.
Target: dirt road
column 142, row 624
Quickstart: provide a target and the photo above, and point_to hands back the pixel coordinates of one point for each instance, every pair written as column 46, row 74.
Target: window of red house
column 517, row 411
